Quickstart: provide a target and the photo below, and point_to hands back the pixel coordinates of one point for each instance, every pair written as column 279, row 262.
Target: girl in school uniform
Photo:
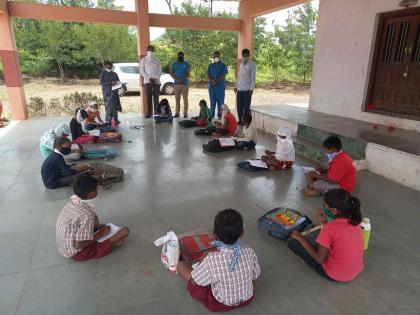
column 338, row 254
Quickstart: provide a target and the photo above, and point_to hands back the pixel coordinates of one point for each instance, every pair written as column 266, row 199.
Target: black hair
column 332, row 142
column 246, row 51
column 84, row 114
column 84, row 185
column 217, row 53
column 180, row 53
column 150, row 46
column 347, row 205
column 59, row 141
column 76, row 111
column 228, row 226
column 108, row 63
column 164, row 102
column 247, row 118
column 203, row 102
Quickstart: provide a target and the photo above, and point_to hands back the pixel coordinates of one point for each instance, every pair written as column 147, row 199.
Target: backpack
column 281, row 222
column 109, row 137
column 204, row 131
column 195, row 246
column 109, row 173
column 213, row 146
column 248, row 167
column 187, row 123
column 99, row 153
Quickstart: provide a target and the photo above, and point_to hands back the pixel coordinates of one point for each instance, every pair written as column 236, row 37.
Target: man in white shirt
column 151, row 70
column 245, row 84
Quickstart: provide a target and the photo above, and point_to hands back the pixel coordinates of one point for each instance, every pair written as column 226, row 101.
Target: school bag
column 187, row 123
column 109, row 137
column 245, row 165
column 99, row 153
column 213, row 146
column 194, row 246
column 281, row 222
column 107, row 174
column 204, row 131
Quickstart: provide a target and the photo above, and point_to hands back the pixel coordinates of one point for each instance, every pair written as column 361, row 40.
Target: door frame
column 374, row 61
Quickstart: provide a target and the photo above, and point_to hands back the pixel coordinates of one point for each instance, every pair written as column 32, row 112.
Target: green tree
column 297, row 38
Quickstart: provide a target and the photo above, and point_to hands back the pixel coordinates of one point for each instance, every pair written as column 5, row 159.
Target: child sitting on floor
column 284, row 156
column 55, row 172
column 340, row 174
column 339, row 254
column 77, row 134
column 163, row 112
column 205, row 117
column 249, row 136
column 93, row 112
column 78, row 229
column 224, row 278
column 227, row 126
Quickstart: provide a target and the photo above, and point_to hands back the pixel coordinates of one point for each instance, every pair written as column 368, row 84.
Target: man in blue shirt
column 216, row 73
column 180, row 71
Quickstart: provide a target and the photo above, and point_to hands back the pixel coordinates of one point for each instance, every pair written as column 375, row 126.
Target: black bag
column 214, row 146
column 277, row 224
column 204, row 131
column 187, row 123
column 248, row 167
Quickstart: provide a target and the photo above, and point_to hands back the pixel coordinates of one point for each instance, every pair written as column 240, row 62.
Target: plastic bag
column 170, row 250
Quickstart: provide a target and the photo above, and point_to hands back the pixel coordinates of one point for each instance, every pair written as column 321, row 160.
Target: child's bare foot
column 309, row 192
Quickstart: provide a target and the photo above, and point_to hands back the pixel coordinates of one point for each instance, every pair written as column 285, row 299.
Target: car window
column 130, row 69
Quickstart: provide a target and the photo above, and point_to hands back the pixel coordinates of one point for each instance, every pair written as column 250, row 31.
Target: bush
column 37, row 107
column 76, row 100
column 54, row 107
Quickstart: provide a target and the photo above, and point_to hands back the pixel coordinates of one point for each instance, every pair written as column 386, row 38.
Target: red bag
column 109, row 137
column 201, row 122
column 194, row 247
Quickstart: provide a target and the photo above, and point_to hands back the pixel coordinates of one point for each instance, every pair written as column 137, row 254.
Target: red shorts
column 94, row 251
column 205, row 296
column 84, row 139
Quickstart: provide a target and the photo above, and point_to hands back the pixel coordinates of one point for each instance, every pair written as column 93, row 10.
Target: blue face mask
column 331, row 156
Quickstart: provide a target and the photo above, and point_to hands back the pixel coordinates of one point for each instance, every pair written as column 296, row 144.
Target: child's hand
column 102, row 232
column 297, row 236
column 321, row 216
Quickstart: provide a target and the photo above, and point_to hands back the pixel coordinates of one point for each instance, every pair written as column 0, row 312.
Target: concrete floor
column 171, row 184
column 403, row 140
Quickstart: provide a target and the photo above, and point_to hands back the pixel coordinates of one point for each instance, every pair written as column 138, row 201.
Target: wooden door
column 395, row 80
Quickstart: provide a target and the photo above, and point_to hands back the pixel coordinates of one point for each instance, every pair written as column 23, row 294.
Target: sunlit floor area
column 170, row 184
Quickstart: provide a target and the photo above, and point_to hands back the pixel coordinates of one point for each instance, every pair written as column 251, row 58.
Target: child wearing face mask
column 338, row 255
column 55, row 172
column 284, row 156
column 93, row 112
column 228, row 124
column 78, row 222
column 341, row 172
column 77, row 134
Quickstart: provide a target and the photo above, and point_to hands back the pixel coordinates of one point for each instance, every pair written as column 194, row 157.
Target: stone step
column 315, row 152
column 355, row 147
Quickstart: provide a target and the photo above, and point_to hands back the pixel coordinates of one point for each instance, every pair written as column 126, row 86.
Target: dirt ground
column 275, row 93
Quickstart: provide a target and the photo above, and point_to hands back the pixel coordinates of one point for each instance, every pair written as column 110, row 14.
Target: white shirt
column 150, row 68
column 249, row 134
column 245, row 79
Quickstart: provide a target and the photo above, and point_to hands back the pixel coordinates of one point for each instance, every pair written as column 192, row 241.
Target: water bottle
column 113, row 124
column 366, row 232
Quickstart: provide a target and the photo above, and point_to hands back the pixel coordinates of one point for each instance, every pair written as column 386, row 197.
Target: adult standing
column 151, row 70
column 180, row 71
column 216, row 73
column 108, row 80
column 245, row 84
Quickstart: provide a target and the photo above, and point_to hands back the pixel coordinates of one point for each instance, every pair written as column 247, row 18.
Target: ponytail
column 347, row 206
column 354, row 214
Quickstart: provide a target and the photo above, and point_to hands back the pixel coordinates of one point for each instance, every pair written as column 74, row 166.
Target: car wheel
column 168, row 89
column 122, row 91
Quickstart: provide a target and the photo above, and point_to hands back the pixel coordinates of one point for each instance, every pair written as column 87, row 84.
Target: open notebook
column 114, row 230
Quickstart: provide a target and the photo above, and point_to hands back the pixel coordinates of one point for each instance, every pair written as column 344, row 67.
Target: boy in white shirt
column 249, row 135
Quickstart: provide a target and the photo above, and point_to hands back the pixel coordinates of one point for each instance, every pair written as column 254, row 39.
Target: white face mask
column 150, row 54
column 217, row 59
column 90, row 200
column 108, row 70
column 94, row 110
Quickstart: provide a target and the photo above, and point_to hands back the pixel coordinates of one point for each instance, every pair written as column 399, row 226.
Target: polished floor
column 170, row 184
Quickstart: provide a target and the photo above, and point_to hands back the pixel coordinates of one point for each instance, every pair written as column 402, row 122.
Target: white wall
column 345, row 40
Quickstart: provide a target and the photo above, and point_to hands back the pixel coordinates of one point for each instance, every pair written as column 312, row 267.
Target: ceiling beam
column 253, row 8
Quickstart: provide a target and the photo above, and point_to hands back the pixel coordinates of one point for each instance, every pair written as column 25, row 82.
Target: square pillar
column 143, row 40
column 246, row 35
column 11, row 66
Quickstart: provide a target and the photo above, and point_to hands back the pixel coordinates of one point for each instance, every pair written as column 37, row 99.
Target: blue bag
column 277, row 224
column 99, row 153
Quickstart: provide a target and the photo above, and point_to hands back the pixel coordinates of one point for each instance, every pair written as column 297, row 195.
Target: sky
column 160, row 6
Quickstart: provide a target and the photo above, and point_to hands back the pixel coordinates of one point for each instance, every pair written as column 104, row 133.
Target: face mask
column 331, row 156
column 150, row 53
column 108, row 70
column 94, row 110
column 65, row 151
column 245, row 59
column 330, row 216
column 180, row 59
column 216, row 59
column 90, row 200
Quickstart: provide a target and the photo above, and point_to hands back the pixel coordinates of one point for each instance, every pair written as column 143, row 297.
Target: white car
column 129, row 74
